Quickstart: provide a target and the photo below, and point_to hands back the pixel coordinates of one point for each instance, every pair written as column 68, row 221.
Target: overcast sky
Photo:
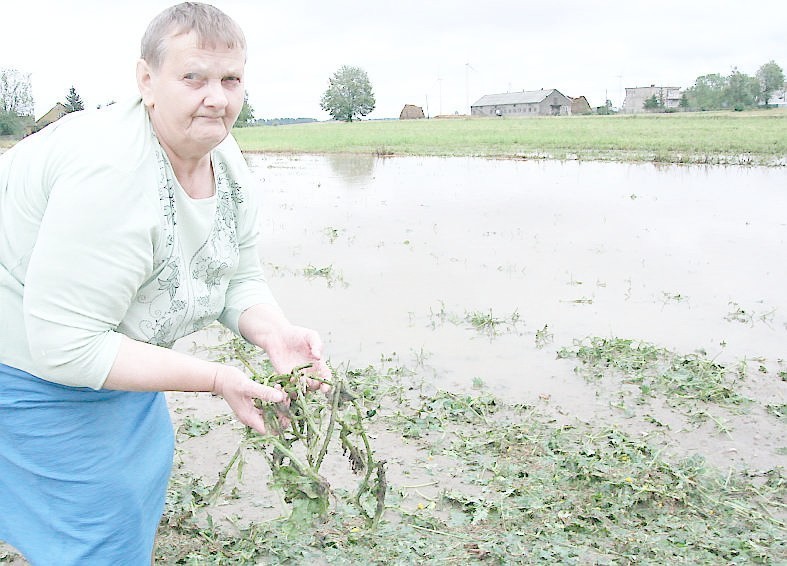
column 441, row 55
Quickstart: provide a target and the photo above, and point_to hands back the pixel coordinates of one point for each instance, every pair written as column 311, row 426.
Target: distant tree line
column 282, row 121
column 16, row 102
column 737, row 91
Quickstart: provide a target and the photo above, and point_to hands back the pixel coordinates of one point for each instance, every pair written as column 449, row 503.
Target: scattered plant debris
column 500, row 483
column 331, row 276
column 300, row 436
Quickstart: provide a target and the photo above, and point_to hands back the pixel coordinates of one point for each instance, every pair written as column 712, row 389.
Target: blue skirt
column 83, row 473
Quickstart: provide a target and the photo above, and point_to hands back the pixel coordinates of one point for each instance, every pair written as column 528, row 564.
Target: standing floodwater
column 474, row 269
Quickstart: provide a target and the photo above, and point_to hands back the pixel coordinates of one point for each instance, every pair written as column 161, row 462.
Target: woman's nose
column 215, row 95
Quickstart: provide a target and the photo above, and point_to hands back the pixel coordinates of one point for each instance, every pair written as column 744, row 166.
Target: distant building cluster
column 667, row 98
column 543, row 102
column 552, row 102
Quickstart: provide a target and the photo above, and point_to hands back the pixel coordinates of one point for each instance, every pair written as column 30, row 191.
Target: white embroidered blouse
column 98, row 239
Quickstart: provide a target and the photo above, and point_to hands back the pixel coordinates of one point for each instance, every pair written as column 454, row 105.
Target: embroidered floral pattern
column 187, row 293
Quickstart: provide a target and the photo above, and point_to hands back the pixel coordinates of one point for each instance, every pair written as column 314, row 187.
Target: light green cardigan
column 98, row 239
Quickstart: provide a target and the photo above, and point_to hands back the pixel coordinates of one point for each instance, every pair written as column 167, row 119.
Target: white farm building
column 668, row 98
column 524, row 103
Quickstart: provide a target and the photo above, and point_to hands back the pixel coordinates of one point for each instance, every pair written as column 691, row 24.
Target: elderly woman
column 122, row 230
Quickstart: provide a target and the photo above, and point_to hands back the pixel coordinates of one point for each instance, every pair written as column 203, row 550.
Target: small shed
column 411, row 112
column 580, row 105
column 545, row 102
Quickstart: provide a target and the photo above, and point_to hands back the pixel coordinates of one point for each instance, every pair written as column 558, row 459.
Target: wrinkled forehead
column 185, row 54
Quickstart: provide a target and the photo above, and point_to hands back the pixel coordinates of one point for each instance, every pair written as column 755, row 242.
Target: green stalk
column 216, row 489
column 331, row 423
column 370, row 465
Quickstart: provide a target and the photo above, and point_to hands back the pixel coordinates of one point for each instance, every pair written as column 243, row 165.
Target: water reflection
column 354, row 170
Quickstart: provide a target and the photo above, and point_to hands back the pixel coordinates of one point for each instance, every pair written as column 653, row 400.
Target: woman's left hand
column 288, row 346
column 295, row 346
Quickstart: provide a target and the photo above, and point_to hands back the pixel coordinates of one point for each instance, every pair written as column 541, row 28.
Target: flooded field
column 487, row 275
column 483, row 269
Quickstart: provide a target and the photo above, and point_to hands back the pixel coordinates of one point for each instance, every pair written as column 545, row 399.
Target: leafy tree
column 771, row 78
column 349, row 95
column 737, row 91
column 652, row 103
column 10, row 124
column 605, row 110
column 684, row 102
column 16, row 102
column 742, row 91
column 15, row 93
column 246, row 116
column 73, row 101
column 707, row 92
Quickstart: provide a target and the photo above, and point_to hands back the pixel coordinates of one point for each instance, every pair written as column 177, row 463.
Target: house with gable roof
column 55, row 113
column 549, row 102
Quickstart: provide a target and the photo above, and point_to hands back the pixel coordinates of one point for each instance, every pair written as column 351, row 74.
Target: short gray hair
column 212, row 27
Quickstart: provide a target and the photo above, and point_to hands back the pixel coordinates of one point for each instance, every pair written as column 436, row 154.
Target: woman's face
column 195, row 95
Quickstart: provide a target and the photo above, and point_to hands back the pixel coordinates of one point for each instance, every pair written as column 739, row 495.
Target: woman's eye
column 231, row 81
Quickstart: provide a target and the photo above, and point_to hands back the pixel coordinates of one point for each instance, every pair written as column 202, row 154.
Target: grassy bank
column 749, row 137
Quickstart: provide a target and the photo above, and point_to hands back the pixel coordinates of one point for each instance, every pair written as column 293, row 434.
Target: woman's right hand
column 239, row 391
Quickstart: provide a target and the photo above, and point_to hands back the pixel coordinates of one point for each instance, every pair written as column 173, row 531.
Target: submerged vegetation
column 755, row 137
column 681, row 379
column 474, row 479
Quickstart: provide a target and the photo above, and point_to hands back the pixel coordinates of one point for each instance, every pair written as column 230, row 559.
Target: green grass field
column 756, row 137
column 719, row 137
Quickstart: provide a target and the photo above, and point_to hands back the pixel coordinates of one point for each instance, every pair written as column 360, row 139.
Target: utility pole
column 468, row 68
column 440, row 87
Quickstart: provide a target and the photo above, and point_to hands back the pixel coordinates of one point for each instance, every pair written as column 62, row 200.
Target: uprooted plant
column 300, row 436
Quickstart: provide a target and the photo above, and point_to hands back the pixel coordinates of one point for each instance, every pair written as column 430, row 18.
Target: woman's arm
column 144, row 367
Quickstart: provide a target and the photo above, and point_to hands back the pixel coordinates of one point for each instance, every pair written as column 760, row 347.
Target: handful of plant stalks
column 295, row 452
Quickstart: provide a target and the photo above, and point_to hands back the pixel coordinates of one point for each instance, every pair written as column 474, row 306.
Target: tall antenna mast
column 468, row 68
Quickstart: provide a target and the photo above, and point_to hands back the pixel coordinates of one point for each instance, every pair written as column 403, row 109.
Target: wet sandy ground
column 685, row 257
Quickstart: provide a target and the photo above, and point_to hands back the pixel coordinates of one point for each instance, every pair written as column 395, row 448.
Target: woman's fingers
column 240, row 393
column 269, row 394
